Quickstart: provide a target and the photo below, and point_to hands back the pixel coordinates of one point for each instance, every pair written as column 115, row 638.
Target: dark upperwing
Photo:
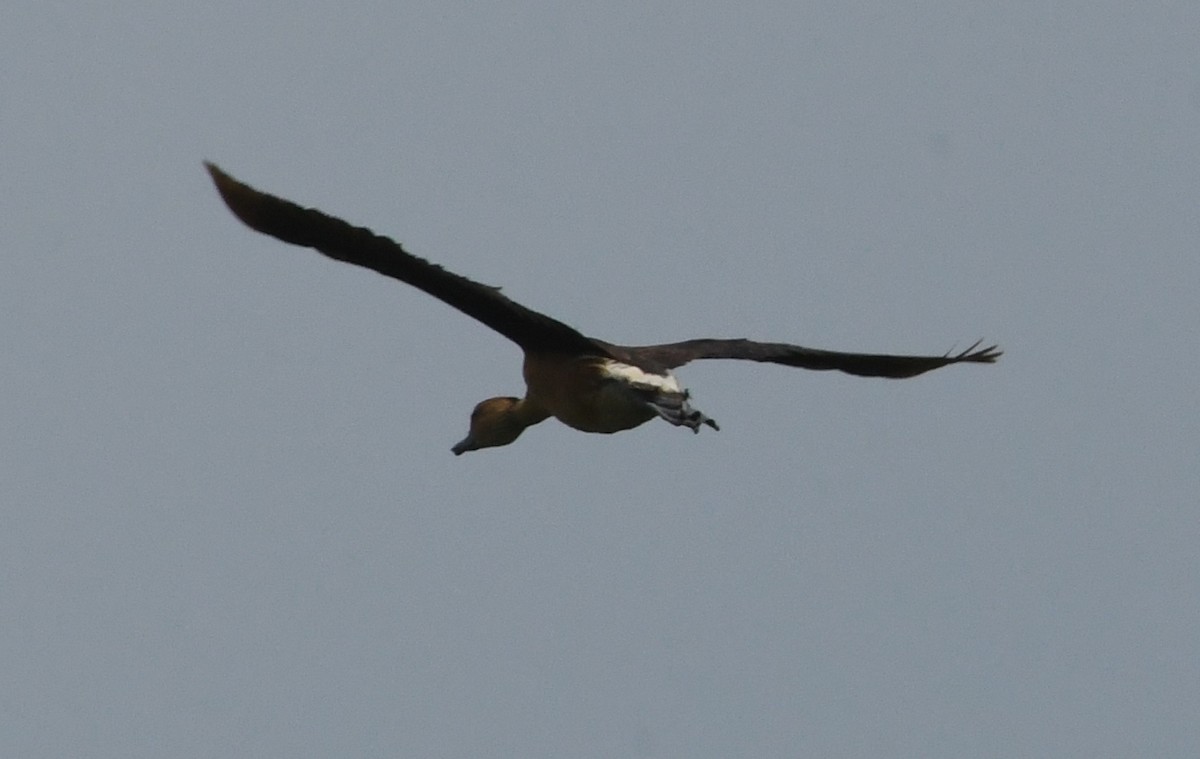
column 671, row 355
column 339, row 240
column 529, row 329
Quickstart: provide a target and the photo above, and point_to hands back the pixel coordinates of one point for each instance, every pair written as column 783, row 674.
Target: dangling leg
column 674, row 408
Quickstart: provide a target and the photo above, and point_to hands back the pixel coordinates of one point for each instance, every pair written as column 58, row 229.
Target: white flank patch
column 634, row 376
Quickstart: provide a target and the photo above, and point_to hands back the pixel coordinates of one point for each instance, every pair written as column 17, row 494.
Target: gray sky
column 232, row 525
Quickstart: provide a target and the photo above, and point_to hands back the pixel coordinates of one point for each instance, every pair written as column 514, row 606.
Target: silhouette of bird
column 586, row 383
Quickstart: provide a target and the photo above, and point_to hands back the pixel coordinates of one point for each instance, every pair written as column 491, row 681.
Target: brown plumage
column 586, row 383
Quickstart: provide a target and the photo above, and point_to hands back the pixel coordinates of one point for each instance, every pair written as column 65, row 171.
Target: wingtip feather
column 986, row 355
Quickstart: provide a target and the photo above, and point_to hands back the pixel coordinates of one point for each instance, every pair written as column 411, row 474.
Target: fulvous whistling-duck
column 583, row 382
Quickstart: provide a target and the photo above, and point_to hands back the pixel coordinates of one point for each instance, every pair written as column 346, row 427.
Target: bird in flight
column 585, row 383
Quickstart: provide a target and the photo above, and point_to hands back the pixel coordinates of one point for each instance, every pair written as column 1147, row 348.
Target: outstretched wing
column 339, row 240
column 671, row 355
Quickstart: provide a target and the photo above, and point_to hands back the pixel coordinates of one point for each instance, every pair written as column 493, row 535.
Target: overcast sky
column 231, row 523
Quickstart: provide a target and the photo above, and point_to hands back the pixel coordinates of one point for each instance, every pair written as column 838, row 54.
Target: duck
column 586, row 383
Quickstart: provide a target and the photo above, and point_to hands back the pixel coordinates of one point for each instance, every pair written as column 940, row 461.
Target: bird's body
column 587, row 384
column 589, row 395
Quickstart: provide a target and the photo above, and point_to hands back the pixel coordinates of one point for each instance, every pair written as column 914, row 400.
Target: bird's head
column 494, row 422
